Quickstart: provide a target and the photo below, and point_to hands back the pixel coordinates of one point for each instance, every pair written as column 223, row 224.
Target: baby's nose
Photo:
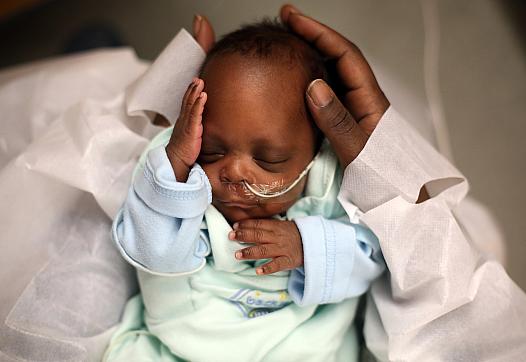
column 235, row 170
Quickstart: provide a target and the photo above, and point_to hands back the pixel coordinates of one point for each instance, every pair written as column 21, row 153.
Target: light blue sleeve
column 158, row 228
column 340, row 261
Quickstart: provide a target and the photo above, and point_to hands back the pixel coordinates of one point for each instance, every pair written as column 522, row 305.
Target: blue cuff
column 159, row 187
column 154, row 265
column 340, row 261
column 158, row 229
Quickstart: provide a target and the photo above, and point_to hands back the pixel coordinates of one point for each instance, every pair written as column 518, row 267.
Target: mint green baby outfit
column 224, row 311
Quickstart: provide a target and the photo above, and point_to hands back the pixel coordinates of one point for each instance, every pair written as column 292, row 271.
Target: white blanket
column 70, row 134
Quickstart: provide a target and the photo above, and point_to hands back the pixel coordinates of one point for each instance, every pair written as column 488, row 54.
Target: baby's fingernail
column 320, row 93
column 259, row 271
column 239, row 255
column 235, row 226
column 232, row 235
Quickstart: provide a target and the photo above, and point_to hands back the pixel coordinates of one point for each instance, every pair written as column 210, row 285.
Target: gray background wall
column 482, row 69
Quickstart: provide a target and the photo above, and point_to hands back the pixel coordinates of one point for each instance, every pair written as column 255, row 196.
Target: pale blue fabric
column 160, row 231
column 340, row 261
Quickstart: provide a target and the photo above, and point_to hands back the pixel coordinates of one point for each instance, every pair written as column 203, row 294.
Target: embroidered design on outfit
column 255, row 303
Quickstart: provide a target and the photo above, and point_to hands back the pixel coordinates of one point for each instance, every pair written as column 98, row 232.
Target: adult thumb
column 334, row 120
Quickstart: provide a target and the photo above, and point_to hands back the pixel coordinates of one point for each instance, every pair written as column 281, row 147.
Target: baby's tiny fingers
column 266, row 224
column 275, row 265
column 189, row 90
column 196, row 111
column 191, row 95
column 250, row 235
column 195, row 92
column 186, row 98
column 263, row 251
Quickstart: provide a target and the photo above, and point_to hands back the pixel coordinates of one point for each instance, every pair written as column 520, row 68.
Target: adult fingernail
column 287, row 10
column 235, row 226
column 293, row 9
column 238, row 255
column 320, row 93
column 259, row 271
column 232, row 235
column 197, row 23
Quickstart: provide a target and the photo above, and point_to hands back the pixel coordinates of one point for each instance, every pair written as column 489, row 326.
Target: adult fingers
column 334, row 120
column 362, row 94
column 203, row 32
column 275, row 265
column 355, row 69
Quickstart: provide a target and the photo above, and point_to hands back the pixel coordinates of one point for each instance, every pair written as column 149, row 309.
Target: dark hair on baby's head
column 270, row 40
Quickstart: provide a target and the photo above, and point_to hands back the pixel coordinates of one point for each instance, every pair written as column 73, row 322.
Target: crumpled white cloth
column 71, row 132
column 443, row 299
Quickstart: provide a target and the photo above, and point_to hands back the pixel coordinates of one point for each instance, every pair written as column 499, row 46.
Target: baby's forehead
column 277, row 81
column 255, row 89
column 281, row 67
column 258, row 101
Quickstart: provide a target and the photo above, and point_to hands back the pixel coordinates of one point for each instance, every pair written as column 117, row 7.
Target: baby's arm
column 340, row 261
column 158, row 228
column 331, row 259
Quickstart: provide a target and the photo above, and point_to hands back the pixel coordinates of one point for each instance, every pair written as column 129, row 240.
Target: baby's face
column 255, row 129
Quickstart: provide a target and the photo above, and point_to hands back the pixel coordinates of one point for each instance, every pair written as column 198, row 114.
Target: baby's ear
column 203, row 32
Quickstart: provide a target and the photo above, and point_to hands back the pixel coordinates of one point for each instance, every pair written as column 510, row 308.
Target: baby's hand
column 275, row 239
column 185, row 142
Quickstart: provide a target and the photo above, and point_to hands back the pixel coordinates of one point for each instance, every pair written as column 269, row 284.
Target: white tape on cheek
column 265, row 189
column 264, row 192
column 239, row 188
column 275, row 190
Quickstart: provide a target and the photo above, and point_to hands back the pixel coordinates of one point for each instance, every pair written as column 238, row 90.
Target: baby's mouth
column 242, row 204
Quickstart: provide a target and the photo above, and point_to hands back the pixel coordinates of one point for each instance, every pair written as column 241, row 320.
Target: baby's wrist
column 180, row 168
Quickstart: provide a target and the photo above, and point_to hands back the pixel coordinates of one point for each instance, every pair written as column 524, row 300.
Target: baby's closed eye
column 271, row 164
column 209, row 157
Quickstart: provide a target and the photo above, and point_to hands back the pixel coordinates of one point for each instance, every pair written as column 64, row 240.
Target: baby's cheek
column 271, row 209
column 211, row 175
column 288, row 199
column 280, row 205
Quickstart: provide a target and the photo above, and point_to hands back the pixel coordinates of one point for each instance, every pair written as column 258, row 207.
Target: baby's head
column 257, row 128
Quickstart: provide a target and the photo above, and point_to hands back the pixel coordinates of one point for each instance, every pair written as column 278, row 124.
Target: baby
column 272, row 269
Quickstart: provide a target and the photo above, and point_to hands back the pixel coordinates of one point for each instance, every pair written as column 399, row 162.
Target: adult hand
column 347, row 123
column 279, row 240
column 203, row 32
